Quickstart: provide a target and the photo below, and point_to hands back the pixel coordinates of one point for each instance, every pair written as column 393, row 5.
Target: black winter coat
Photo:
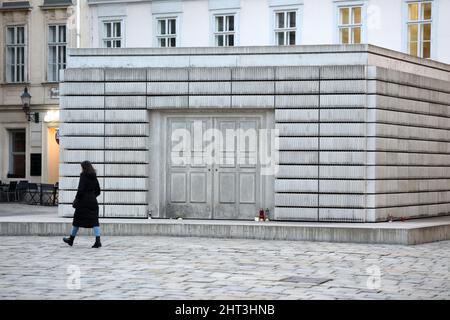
column 86, row 205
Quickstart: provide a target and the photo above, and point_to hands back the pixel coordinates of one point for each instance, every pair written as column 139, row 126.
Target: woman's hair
column 88, row 168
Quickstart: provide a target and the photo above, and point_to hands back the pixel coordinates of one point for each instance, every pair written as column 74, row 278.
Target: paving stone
column 194, row 268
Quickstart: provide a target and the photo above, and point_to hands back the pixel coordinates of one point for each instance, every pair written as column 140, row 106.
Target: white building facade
column 415, row 27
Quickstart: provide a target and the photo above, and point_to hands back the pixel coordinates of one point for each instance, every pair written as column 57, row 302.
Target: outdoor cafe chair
column 11, row 190
column 21, row 189
column 33, row 194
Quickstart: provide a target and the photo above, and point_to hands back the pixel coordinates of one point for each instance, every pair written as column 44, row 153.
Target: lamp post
column 26, row 97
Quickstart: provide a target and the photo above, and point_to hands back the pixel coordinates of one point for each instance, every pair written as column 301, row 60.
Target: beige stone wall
column 36, row 21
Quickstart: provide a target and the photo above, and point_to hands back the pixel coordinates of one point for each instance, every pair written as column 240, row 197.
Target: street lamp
column 26, row 97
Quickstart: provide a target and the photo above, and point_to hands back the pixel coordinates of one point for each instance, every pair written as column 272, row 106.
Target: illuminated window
column 350, row 25
column 285, row 27
column 419, row 29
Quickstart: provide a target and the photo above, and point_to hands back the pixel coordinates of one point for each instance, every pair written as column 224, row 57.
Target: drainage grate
column 306, row 280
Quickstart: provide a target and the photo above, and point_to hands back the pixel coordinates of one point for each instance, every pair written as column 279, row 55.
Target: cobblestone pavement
column 199, row 268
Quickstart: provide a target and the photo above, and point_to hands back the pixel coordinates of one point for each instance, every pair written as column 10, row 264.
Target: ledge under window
column 16, row 5
column 52, row 4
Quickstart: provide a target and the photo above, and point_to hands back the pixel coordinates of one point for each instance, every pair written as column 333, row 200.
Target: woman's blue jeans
column 74, row 231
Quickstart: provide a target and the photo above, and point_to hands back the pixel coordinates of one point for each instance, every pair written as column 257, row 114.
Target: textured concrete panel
column 401, row 91
column 297, row 129
column 125, row 88
column 167, row 74
column 76, row 129
column 342, row 172
column 302, row 214
column 343, row 115
column 343, row 215
column 126, row 102
column 343, row 157
column 84, row 75
column 125, row 74
column 82, row 102
column 81, row 115
column 342, row 200
column 265, row 102
column 126, row 143
column 298, row 157
column 216, row 88
column 81, row 88
column 125, row 156
column 126, row 184
column 342, row 186
column 343, row 101
column 295, row 200
column 350, row 143
column 296, row 101
column 253, row 73
column 343, row 129
column 77, row 156
column 291, row 185
column 126, row 170
column 209, row 101
column 415, row 80
column 167, row 102
column 299, row 143
column 287, row 115
column 127, row 129
column 125, row 197
column 343, row 72
column 126, row 116
column 82, row 142
column 253, row 87
column 298, row 171
column 296, row 73
column 343, row 86
column 296, row 87
column 209, row 74
column 167, row 88
column 125, row 211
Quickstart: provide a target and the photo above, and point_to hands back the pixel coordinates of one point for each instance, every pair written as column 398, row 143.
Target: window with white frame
column 112, row 34
column 419, row 28
column 224, row 30
column 15, row 54
column 350, row 24
column 167, row 32
column 285, row 27
column 57, row 45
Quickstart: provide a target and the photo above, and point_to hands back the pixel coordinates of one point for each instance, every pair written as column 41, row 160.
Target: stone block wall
column 356, row 143
column 105, row 120
column 408, row 145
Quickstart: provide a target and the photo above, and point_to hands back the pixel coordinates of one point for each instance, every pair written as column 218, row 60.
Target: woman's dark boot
column 69, row 240
column 97, row 243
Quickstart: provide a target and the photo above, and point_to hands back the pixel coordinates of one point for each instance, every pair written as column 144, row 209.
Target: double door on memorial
column 212, row 167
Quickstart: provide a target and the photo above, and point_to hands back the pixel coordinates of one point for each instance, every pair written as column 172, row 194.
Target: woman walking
column 86, row 205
